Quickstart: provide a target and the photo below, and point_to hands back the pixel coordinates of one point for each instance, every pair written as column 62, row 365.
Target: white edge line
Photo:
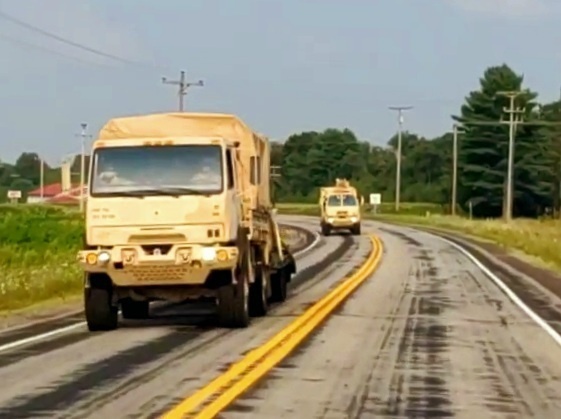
column 65, row 329
column 510, row 294
column 45, row 335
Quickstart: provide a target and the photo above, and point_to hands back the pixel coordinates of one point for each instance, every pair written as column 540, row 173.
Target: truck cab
column 176, row 210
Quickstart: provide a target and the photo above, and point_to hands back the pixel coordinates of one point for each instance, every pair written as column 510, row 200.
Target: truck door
column 233, row 197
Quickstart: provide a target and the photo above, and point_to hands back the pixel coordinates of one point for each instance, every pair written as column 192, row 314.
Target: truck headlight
column 208, row 254
column 103, row 257
column 354, row 219
column 330, row 219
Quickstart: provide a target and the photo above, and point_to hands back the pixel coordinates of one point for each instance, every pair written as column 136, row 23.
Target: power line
column 47, row 50
column 33, row 28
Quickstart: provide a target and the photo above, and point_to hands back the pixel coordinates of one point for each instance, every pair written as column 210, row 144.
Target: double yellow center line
column 210, row 400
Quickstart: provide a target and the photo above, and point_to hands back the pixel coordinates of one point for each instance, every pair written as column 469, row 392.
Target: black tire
column 101, row 314
column 132, row 309
column 233, row 305
column 279, row 286
column 325, row 230
column 258, row 299
column 356, row 230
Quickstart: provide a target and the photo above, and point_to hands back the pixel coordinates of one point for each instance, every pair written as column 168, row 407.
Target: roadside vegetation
column 37, row 254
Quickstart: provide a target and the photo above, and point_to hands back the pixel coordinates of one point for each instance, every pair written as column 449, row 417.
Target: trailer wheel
column 258, row 301
column 101, row 314
column 132, row 309
column 279, row 286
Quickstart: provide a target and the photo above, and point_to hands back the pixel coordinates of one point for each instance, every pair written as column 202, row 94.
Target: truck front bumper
column 181, row 265
column 341, row 223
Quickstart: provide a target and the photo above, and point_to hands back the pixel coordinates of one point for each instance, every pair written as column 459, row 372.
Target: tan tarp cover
column 187, row 124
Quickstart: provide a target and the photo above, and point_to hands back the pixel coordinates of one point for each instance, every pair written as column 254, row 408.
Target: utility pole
column 42, row 177
column 183, row 86
column 275, row 174
column 83, row 137
column 400, row 120
column 456, row 131
column 514, row 119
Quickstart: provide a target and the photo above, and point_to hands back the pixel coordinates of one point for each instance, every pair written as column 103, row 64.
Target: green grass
column 38, row 245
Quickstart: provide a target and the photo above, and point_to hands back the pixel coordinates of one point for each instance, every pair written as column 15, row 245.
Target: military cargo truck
column 178, row 208
column 340, row 208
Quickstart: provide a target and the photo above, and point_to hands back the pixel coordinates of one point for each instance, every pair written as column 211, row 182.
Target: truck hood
column 342, row 211
column 154, row 219
column 151, row 211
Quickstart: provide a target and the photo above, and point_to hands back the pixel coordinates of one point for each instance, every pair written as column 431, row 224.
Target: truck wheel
column 356, row 230
column 132, row 309
column 325, row 230
column 101, row 314
column 258, row 301
column 279, row 286
column 233, row 301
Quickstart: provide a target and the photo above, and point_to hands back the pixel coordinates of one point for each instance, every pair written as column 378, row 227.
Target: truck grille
column 158, row 273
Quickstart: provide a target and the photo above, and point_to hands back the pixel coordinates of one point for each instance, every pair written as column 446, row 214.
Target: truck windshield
column 154, row 170
column 341, row 200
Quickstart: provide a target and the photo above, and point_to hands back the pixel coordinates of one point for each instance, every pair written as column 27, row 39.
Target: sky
column 283, row 66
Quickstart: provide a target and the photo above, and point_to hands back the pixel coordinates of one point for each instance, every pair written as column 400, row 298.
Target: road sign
column 375, row 199
column 14, row 194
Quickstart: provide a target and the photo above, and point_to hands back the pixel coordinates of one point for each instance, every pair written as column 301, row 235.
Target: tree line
column 309, row 160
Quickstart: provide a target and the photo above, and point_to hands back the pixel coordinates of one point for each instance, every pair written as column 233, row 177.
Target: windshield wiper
column 180, row 190
column 135, row 194
column 175, row 191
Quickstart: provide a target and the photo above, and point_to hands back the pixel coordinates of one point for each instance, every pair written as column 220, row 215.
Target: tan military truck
column 178, row 208
column 340, row 208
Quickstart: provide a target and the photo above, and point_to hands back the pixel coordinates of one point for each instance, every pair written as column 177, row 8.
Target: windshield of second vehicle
column 341, row 200
column 149, row 168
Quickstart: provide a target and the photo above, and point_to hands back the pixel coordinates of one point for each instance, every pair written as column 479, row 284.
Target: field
column 37, row 254
column 538, row 240
column 38, row 246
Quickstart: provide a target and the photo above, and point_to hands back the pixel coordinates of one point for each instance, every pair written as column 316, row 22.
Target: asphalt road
column 428, row 335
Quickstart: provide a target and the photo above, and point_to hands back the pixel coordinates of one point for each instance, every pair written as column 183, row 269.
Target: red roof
column 70, row 197
column 50, row 191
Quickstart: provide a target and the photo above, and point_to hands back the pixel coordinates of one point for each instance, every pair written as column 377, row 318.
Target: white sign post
column 14, row 196
column 375, row 201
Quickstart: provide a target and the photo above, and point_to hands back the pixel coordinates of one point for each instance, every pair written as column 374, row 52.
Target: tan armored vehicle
column 178, row 208
column 340, row 208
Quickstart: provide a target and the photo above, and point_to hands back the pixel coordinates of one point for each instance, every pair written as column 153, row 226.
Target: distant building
column 64, row 192
column 56, row 194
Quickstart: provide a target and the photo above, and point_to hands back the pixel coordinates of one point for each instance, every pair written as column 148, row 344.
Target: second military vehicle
column 340, row 208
